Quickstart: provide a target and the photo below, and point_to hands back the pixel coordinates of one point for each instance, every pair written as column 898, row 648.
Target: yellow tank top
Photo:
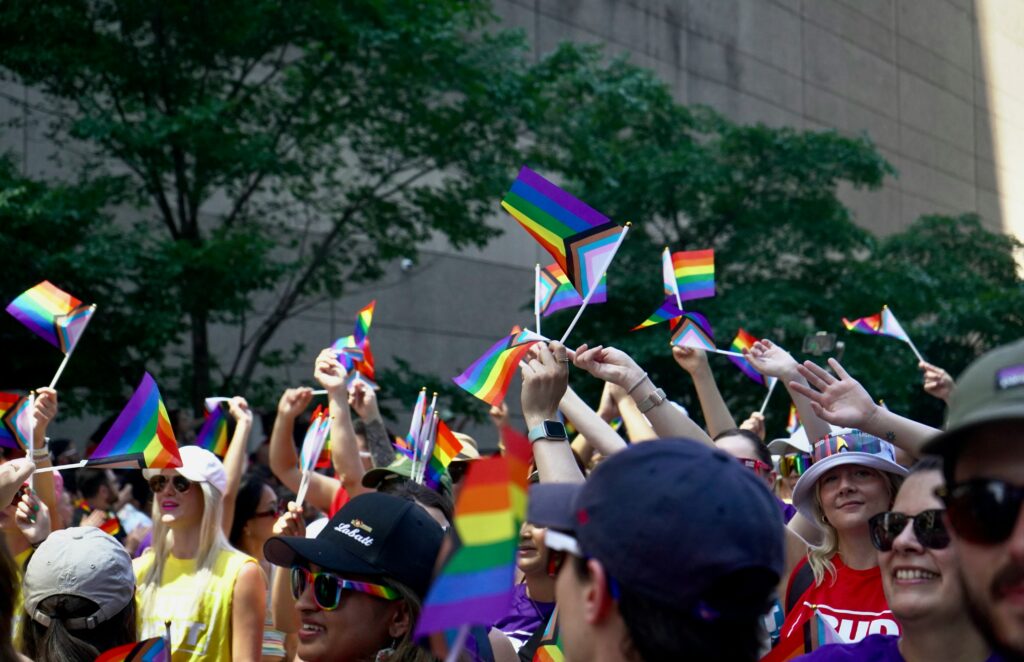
column 200, row 624
column 18, row 621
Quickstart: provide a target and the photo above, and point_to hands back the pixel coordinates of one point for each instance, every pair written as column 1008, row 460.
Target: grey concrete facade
column 934, row 83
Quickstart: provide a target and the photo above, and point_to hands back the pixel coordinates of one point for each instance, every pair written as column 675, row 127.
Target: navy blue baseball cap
column 667, row 519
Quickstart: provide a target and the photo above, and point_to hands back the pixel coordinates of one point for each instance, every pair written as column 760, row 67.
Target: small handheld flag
column 882, row 324
column 694, row 330
column 669, row 310
column 694, row 273
column 148, row 650
column 213, row 436
column 793, row 420
column 555, row 292
column 489, row 376
column 17, row 424
column 744, row 341
column 141, row 434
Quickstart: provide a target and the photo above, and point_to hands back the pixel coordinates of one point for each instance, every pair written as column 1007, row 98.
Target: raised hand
column 545, row 378
column 294, row 401
column 328, row 371
column 499, row 415
column 33, row 518
column 291, row 523
column 690, row 359
column 937, row 382
column 238, row 407
column 45, row 407
column 13, row 475
column 770, row 360
column 610, row 364
column 754, row 423
column 839, row 400
column 363, row 400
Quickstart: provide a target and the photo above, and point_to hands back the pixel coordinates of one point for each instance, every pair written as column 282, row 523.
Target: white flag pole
column 604, row 270
column 768, row 396
column 536, row 295
column 64, row 363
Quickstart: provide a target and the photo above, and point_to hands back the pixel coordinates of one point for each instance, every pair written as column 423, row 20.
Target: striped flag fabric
column 667, row 311
column 557, row 293
column 142, row 433
column 693, row 330
column 52, row 314
column 880, row 324
column 744, row 341
column 489, row 376
column 213, row 436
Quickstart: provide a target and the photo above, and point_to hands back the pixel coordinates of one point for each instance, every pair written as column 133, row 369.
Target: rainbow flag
column 412, row 440
column 213, row 436
column 488, row 377
column 363, row 320
column 148, row 650
column 744, row 341
column 316, row 436
column 694, row 273
column 549, row 649
column 793, row 420
column 52, row 314
column 580, row 239
column 693, row 330
column 17, row 420
column 141, row 434
column 667, row 311
column 882, row 324
column 475, row 587
column 668, row 276
column 446, row 447
column 555, row 292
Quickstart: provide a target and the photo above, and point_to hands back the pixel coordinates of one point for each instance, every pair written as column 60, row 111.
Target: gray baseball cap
column 81, row 561
column 990, row 390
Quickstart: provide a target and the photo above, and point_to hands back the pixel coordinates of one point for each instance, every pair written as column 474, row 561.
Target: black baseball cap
column 375, row 534
column 668, row 518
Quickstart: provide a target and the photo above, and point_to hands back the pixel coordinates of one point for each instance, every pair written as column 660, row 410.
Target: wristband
column 41, row 453
column 651, row 401
column 634, row 387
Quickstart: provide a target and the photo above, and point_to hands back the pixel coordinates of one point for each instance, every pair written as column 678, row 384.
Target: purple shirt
column 788, row 510
column 524, row 617
column 873, row 648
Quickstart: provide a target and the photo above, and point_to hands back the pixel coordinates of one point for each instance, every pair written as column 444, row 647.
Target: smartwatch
column 548, row 430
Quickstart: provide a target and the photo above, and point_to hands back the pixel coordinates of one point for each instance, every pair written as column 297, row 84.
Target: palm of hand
column 846, row 402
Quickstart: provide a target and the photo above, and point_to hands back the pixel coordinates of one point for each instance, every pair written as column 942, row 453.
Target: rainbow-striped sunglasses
column 327, row 587
column 850, row 442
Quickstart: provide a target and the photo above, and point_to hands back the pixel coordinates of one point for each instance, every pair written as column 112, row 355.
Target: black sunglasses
column 983, row 510
column 928, row 527
column 180, row 483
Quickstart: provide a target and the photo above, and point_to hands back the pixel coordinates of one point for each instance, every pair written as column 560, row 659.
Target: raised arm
column 45, row 412
column 599, row 435
column 234, row 459
column 717, row 417
column 614, row 365
column 937, row 382
column 330, row 374
column 637, row 427
column 545, row 378
column 284, row 459
column 841, row 400
column 363, row 401
column 282, row 604
column 772, row 361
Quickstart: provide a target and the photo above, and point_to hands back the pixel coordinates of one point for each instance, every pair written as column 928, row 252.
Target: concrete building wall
column 936, row 84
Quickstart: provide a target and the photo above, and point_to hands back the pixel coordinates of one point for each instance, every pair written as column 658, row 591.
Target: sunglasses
column 275, row 513
column 327, row 587
column 928, row 527
column 757, row 466
column 180, row 483
column 983, row 511
column 847, row 442
column 794, row 465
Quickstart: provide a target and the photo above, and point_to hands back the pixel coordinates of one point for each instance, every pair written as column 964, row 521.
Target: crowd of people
column 863, row 536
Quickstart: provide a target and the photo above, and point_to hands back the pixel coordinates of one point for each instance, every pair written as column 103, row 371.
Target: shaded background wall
column 938, row 85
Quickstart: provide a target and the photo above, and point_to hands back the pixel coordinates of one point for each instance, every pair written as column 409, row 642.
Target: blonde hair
column 820, row 557
column 212, row 542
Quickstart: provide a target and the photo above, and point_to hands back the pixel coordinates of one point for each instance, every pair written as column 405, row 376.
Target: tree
column 271, row 150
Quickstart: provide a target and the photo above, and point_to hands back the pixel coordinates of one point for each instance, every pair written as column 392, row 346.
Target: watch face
column 554, row 430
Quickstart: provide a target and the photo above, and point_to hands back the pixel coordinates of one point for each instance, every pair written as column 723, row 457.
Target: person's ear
column 597, row 598
column 400, row 621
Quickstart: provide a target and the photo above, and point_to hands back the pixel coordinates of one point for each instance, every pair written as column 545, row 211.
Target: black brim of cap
column 284, row 551
column 553, row 505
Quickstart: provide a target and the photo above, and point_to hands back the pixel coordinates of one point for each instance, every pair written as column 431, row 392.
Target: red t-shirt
column 854, row 604
column 341, row 497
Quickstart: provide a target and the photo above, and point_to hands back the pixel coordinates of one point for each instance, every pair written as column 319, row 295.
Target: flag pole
column 675, row 283
column 458, row 644
column 906, row 335
column 764, row 405
column 73, row 465
column 64, row 363
column 536, row 295
column 303, row 486
column 604, row 270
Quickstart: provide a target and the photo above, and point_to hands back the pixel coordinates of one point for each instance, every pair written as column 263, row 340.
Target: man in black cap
column 670, row 550
column 983, row 458
column 358, row 585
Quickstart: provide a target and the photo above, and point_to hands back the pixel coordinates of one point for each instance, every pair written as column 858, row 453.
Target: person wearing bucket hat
column 696, row 581
column 213, row 595
column 79, row 597
column 359, row 584
column 983, row 456
column 853, row 477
